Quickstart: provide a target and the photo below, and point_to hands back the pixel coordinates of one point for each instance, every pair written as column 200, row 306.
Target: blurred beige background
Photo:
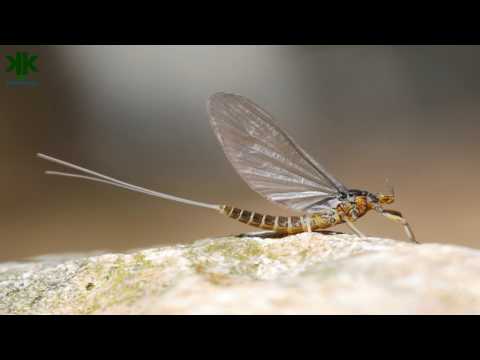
column 409, row 113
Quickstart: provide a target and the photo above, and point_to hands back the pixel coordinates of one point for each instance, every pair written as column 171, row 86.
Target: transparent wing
column 267, row 158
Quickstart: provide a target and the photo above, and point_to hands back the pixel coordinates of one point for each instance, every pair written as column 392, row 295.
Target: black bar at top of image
column 240, row 27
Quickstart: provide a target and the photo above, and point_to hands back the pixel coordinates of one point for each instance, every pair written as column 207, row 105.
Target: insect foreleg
column 398, row 218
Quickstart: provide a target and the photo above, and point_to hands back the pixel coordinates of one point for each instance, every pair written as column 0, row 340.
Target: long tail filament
column 114, row 182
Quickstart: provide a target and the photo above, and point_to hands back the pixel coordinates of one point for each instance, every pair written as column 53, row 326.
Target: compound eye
column 343, row 196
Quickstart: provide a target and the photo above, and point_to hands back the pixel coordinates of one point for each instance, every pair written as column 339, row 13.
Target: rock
column 299, row 274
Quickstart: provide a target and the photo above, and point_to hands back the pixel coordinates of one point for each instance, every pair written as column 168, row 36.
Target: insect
column 274, row 166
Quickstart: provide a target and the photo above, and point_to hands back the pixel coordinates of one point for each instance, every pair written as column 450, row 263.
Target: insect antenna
column 114, row 182
column 390, row 187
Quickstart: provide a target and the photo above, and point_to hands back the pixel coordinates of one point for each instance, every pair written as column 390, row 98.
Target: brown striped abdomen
column 281, row 224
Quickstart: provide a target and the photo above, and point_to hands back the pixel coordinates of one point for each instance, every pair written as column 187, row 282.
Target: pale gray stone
column 299, row 274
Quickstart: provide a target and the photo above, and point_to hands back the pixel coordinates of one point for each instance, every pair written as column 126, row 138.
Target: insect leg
column 354, row 228
column 398, row 218
column 309, row 224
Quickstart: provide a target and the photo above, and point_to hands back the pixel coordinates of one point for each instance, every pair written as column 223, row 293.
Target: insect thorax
column 354, row 208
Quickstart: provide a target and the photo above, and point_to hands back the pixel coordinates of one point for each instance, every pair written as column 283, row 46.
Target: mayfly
column 274, row 166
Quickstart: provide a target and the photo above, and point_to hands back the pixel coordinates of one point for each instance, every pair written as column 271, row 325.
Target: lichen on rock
column 299, row 274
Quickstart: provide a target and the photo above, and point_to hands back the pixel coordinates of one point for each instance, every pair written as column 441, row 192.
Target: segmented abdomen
column 281, row 224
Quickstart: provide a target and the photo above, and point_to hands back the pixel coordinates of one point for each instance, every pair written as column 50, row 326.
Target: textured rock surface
column 302, row 274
